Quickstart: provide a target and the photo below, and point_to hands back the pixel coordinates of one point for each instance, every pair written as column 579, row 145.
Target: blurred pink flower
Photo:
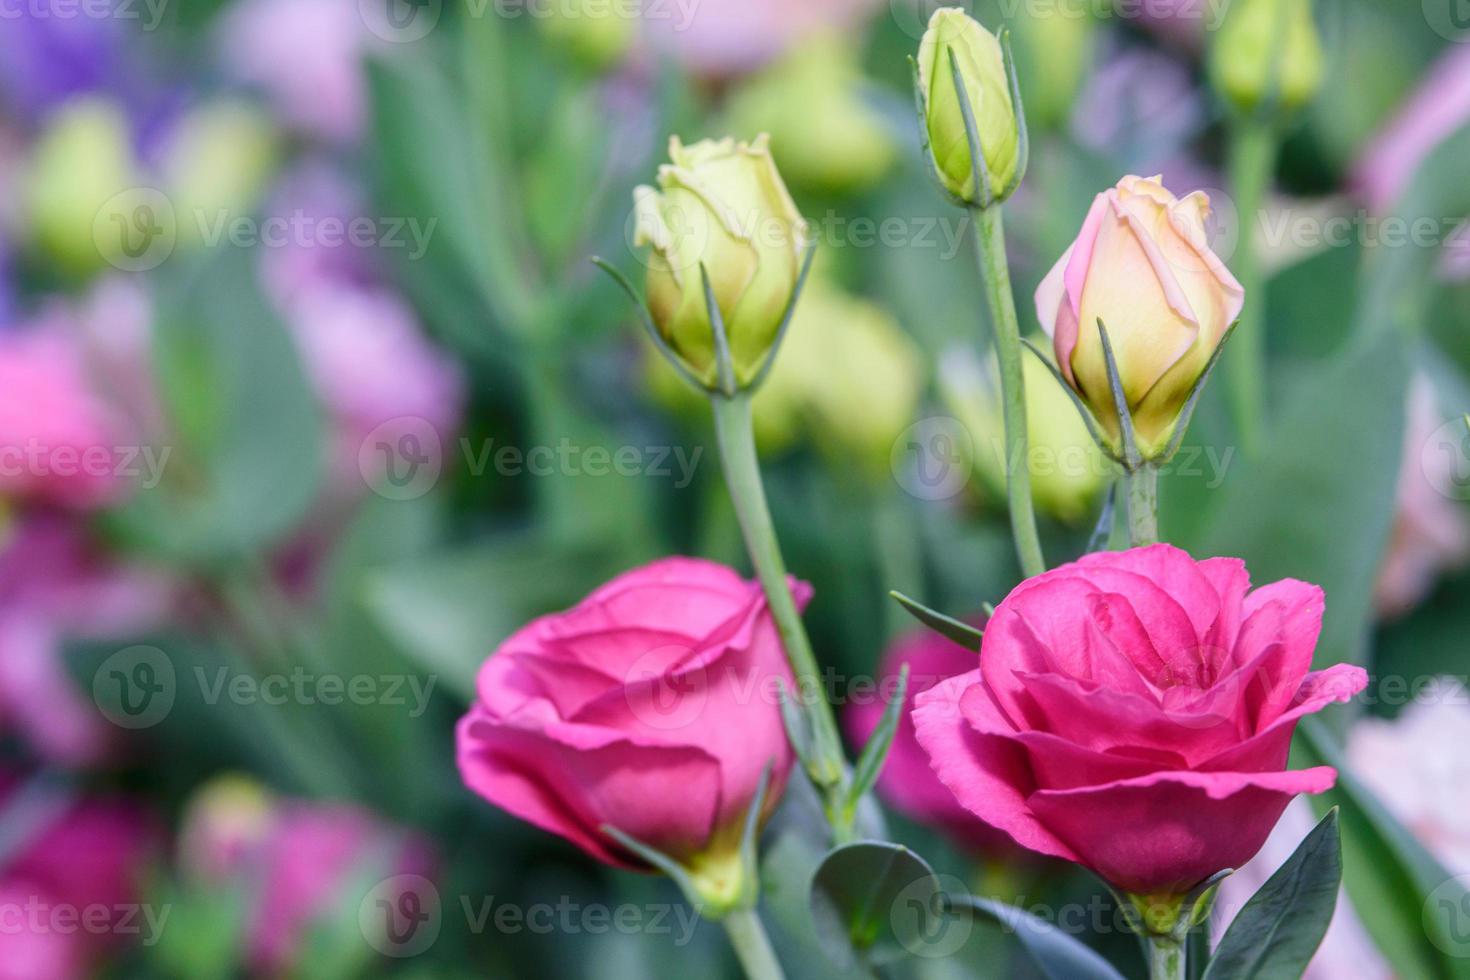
column 55, row 585
column 1347, row 950
column 301, row 860
column 1141, row 108
column 1438, row 107
column 1417, row 766
column 730, row 37
column 1431, row 532
column 307, row 55
column 88, row 863
column 58, row 440
column 907, row 783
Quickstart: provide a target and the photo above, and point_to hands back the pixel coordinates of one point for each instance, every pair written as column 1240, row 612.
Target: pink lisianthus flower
column 58, row 439
column 299, row 861
column 907, row 783
column 651, row 707
column 1133, row 713
column 56, row 585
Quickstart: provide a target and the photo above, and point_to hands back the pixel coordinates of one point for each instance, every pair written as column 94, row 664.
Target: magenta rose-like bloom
column 1133, row 712
column 907, row 783
column 651, row 707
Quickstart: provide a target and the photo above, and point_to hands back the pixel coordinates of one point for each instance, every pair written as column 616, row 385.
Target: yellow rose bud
column 80, row 165
column 825, row 134
column 1067, row 468
column 1143, row 266
column 1267, row 51
column 721, row 204
column 987, row 86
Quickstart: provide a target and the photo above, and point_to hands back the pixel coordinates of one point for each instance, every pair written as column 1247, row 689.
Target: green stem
column 1165, row 958
column 752, row 945
column 990, row 236
column 736, row 434
column 1253, row 147
column 1143, row 506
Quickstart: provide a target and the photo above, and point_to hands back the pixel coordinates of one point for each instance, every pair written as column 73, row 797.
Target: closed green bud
column 721, row 205
column 598, row 35
column 982, row 66
column 1267, row 52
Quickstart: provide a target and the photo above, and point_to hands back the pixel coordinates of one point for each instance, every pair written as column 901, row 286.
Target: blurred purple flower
column 307, row 56
column 1431, row 533
column 1141, row 107
column 299, row 860
column 56, row 585
column 1436, row 110
column 47, row 59
column 731, row 37
column 362, row 345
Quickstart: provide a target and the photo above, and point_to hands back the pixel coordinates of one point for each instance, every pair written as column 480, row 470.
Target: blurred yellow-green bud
column 822, row 386
column 216, row 164
column 854, row 375
column 80, row 166
column 1067, row 468
column 826, row 136
column 982, row 67
column 720, row 204
column 596, row 33
column 1267, row 52
column 1055, row 56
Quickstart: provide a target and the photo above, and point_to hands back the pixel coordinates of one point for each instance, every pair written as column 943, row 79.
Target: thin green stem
column 1253, row 147
column 752, row 945
column 1166, row 958
column 736, row 434
column 1143, row 506
column 994, row 270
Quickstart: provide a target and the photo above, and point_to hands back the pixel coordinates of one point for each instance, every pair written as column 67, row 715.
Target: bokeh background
column 310, row 395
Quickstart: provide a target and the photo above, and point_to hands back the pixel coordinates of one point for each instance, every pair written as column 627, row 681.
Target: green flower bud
column 596, row 34
column 827, row 137
column 1267, row 51
column 987, row 85
column 79, row 166
column 216, row 165
column 721, row 205
column 1055, row 54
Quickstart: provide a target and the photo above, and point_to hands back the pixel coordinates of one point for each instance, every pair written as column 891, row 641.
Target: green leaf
column 1057, row 955
column 964, row 634
column 870, row 763
column 1277, row 932
column 871, row 901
